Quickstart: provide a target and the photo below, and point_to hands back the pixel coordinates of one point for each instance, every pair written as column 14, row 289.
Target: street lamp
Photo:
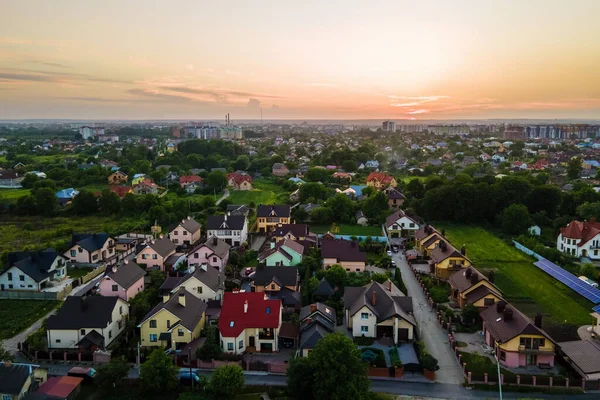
column 498, row 365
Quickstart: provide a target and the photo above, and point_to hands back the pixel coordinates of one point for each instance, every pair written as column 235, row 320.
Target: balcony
column 535, row 350
column 266, row 334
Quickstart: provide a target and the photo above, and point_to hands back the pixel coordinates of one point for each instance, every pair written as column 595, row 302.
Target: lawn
column 523, row 284
column 12, row 194
column 352, row 230
column 78, row 272
column 252, row 196
column 478, row 365
column 18, row 315
column 94, row 187
column 407, row 179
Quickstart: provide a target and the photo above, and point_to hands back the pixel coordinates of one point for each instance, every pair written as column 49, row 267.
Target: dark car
column 87, row 374
column 187, row 377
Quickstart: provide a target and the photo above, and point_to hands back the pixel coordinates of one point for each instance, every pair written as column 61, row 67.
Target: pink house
column 124, row 281
column 214, row 252
column 90, row 248
column 517, row 341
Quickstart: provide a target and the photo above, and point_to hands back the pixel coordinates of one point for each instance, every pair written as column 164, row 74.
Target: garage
column 385, row 332
column 403, row 335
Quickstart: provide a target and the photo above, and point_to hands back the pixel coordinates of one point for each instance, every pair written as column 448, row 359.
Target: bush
column 374, row 357
column 429, row 362
column 364, row 341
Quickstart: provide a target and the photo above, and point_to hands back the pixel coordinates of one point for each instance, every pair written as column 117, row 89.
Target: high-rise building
column 389, row 126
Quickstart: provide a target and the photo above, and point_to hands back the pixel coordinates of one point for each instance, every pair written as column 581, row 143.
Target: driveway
column 225, row 195
column 435, row 338
column 12, row 343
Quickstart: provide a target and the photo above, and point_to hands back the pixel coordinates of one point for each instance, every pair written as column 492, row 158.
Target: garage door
column 402, row 334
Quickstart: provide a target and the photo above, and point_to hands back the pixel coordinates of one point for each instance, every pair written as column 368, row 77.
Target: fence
column 527, row 250
column 31, row 295
column 68, row 357
column 92, row 274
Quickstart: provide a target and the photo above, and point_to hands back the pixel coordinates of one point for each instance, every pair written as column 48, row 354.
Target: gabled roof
column 218, row 246
column 185, row 179
column 127, row 274
column 13, row 378
column 438, row 254
column 298, row 230
column 480, row 292
column 425, row 231
column 381, row 177
column 288, row 297
column 210, row 276
column 84, row 312
column 384, row 300
column 234, row 210
column 190, row 225
column 394, row 194
column 247, row 310
column 324, row 289
column 390, row 220
column 284, row 276
column 585, row 354
column 35, row 264
column 463, row 280
column 120, row 191
column 89, row 241
column 318, row 308
column 189, row 316
column 232, row 222
column 503, row 330
column 280, row 210
column 342, row 250
column 585, row 231
column 311, row 336
column 162, row 246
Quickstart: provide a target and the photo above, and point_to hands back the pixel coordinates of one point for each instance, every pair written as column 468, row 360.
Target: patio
column 475, row 343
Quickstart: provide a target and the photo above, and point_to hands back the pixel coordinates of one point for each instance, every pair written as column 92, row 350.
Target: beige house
column 343, row 252
column 156, row 253
column 90, row 248
column 187, row 232
column 204, row 282
column 117, row 178
column 469, row 286
column 379, row 311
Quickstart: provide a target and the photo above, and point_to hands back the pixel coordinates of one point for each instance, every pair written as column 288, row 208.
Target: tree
column 545, row 198
column 158, row 373
column 589, row 210
column 242, row 163
column 415, row 189
column 216, row 180
column 109, row 202
column 589, row 270
column 110, row 374
column 300, row 378
column 5, row 355
column 349, row 166
column 313, row 191
column 85, row 203
column 26, row 205
column 336, row 275
column 574, row 167
column 45, row 198
column 29, row 180
column 469, row 313
column 226, row 382
column 515, row 219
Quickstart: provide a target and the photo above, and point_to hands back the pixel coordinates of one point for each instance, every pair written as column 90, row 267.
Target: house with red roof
column 239, row 181
column 121, row 191
column 380, row 180
column 580, row 239
column 187, row 179
column 146, row 187
column 249, row 321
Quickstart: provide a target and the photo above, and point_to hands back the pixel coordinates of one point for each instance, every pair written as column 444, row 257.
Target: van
column 87, row 374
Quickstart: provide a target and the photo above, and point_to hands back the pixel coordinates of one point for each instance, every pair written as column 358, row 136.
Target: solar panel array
column 597, row 309
column 570, row 280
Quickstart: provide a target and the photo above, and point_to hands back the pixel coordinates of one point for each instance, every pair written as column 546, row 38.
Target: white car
column 389, row 253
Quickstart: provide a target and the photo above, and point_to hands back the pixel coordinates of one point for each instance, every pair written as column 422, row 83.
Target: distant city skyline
column 336, row 60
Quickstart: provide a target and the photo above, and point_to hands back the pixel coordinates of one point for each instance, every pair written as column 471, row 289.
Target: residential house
column 395, row 198
column 64, row 196
column 323, row 291
column 297, row 232
column 137, row 179
column 213, row 252
column 379, row 310
column 11, row 178
column 499, row 157
column 373, row 164
column 33, row 270
column 145, row 187
column 87, row 323
column 280, row 283
column 17, row 380
column 380, row 180
column 580, row 239
column 343, row 252
column 354, row 191
column 117, row 178
column 361, row 219
column 121, row 191
column 193, row 187
column 187, row 232
column 400, row 224
column 317, row 320
column 469, row 286
column 423, row 238
column 58, row 388
column 174, row 322
column 203, row 282
column 234, row 209
column 186, row 180
column 519, row 165
column 445, row 260
column 109, row 164
column 280, row 169
column 125, row 281
column 233, row 229
column 485, row 157
column 342, row 176
column 155, row 253
column 249, row 321
column 286, row 253
column 517, row 341
column 268, row 217
column 239, row 181
column 90, row 248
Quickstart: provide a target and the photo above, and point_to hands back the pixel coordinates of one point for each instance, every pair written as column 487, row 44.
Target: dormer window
column 231, row 323
column 268, row 310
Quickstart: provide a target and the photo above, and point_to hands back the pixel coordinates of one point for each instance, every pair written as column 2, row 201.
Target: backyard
column 523, row 284
column 352, row 230
column 18, row 315
column 79, row 272
column 12, row 194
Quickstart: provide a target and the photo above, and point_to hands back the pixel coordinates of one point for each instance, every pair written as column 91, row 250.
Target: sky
column 321, row 59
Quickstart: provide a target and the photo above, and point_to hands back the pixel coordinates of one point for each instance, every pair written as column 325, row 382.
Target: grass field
column 12, row 194
column 523, row 284
column 95, row 187
column 78, row 272
column 353, row 230
column 265, row 192
column 407, row 179
column 18, row 315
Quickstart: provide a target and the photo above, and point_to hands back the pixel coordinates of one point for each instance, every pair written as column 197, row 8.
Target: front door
column 251, row 341
column 531, row 359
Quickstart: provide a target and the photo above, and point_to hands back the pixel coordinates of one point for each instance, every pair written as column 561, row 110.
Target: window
column 179, row 332
column 230, row 346
column 412, row 225
column 214, row 259
column 542, row 342
column 240, row 344
column 175, row 233
column 57, row 340
column 175, row 241
column 10, row 286
column 82, row 332
column 364, row 315
column 184, row 233
column 199, row 289
column 195, row 255
column 120, row 324
column 95, row 257
column 153, row 337
column 115, row 288
column 503, row 355
column 268, row 311
column 364, row 329
column 109, row 334
column 168, row 324
column 272, row 286
column 144, row 256
column 488, row 302
column 154, row 256
column 30, row 286
column 22, row 278
column 7, row 397
column 152, row 323
column 10, row 276
column 120, row 310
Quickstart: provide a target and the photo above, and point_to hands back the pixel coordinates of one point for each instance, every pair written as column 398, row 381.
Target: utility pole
column 498, row 365
column 139, row 346
column 190, row 361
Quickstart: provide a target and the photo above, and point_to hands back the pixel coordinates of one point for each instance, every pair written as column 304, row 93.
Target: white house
column 580, row 239
column 33, row 270
column 399, row 224
column 233, row 229
column 203, row 282
column 87, row 323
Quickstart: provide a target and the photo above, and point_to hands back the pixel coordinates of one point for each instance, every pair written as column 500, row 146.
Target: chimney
column 114, row 269
column 468, row 273
column 313, row 308
column 500, row 306
column 166, row 297
column 182, row 221
column 225, row 217
column 374, row 298
column 126, row 261
column 474, row 278
column 491, row 276
column 508, row 314
column 538, row 320
column 215, row 240
column 246, row 307
column 84, row 305
column 160, row 236
column 463, row 250
column 203, row 267
column 182, row 299
column 389, row 284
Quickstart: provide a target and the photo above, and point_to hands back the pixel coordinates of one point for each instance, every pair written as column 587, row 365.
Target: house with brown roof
column 121, row 191
column 125, row 281
column 285, row 253
column 469, row 286
column 580, row 239
column 424, row 235
column 155, row 253
column 186, row 180
column 395, row 198
column 279, row 283
column 379, row 310
column 380, row 180
column 187, row 232
column 269, row 217
column 445, row 260
column 343, row 252
column 117, row 178
column 517, row 341
column 297, row 232
column 214, row 252
column 400, row 224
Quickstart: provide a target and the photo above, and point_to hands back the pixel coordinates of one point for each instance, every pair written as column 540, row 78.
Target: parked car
column 187, row 377
column 393, row 264
column 87, row 374
column 395, row 248
column 389, row 253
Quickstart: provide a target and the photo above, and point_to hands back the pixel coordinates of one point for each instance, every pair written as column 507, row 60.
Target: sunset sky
column 199, row 59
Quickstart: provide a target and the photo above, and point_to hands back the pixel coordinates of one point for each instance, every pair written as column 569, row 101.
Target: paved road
column 225, row 195
column 435, row 338
column 12, row 343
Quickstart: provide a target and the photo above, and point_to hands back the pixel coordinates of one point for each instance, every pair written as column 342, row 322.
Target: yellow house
column 423, row 236
column 268, row 217
column 517, row 341
column 446, row 260
column 471, row 287
column 175, row 322
column 117, row 177
column 137, row 179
